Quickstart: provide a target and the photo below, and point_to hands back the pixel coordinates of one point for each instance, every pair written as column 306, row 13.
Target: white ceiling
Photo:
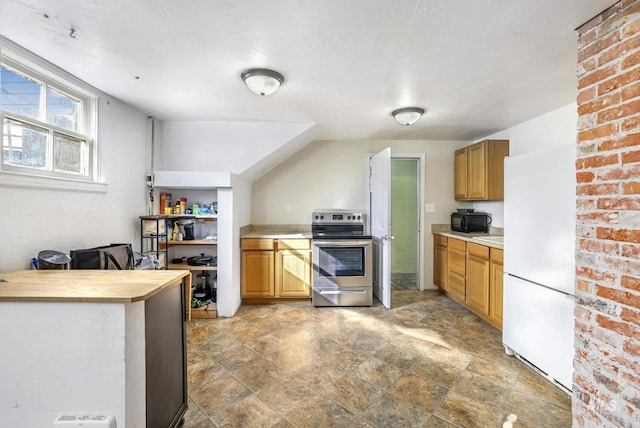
column 476, row 66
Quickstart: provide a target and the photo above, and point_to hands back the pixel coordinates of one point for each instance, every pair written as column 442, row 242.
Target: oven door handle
column 342, row 292
column 341, row 242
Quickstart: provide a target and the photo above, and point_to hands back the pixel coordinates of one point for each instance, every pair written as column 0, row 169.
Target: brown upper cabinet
column 479, row 171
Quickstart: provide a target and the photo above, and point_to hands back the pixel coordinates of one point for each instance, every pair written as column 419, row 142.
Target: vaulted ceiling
column 476, row 67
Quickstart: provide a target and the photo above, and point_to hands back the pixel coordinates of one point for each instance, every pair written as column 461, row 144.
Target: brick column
column 607, row 363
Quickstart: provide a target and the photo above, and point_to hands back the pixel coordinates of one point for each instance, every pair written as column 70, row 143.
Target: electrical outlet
column 287, row 208
column 430, row 207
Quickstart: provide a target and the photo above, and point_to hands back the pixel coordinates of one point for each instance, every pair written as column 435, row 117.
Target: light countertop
column 493, row 239
column 102, row 286
column 276, row 235
column 276, row 231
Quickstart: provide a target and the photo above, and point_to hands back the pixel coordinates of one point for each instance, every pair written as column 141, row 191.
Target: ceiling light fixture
column 262, row 81
column 408, row 115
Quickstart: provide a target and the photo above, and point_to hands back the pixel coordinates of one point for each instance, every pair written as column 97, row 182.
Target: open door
column 380, row 180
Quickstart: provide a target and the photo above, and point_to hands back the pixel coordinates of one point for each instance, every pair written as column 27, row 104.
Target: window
column 48, row 122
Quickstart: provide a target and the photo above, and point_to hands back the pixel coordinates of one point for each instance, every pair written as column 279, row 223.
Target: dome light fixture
column 262, row 81
column 408, row 115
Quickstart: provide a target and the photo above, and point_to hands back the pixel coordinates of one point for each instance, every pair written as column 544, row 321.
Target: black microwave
column 470, row 222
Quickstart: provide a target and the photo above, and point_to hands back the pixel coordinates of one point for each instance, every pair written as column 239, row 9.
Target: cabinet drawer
column 440, row 240
column 457, row 244
column 497, row 255
column 257, row 244
column 294, row 244
column 481, row 251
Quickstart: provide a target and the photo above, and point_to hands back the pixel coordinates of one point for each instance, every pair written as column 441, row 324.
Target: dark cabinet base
column 166, row 363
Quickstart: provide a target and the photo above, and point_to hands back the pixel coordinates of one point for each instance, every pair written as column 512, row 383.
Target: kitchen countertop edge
column 276, row 231
column 445, row 230
column 86, row 286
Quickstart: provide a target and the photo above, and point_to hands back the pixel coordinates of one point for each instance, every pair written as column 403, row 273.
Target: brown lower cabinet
column 477, row 293
column 440, row 261
column 471, row 274
column 276, row 268
column 496, row 278
column 456, row 269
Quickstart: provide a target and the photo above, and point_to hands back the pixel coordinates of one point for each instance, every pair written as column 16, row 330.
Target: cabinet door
column 456, row 269
column 461, row 174
column 477, row 174
column 440, row 265
column 258, row 279
column 477, row 295
column 456, row 286
column 496, row 286
column 293, row 273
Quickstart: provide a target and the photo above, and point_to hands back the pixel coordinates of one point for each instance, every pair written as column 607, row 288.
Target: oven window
column 341, row 261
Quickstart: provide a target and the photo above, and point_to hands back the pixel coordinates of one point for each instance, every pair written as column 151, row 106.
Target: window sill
column 26, row 181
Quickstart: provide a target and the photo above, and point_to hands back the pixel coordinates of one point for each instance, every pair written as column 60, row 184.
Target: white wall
column 222, row 146
column 68, row 367
column 241, row 215
column 554, row 128
column 333, row 174
column 404, row 215
column 32, row 220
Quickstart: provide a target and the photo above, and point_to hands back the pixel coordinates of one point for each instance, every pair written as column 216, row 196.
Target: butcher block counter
column 103, row 286
column 89, row 342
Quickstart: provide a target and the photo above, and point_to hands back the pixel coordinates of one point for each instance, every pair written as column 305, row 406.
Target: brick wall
column 607, row 362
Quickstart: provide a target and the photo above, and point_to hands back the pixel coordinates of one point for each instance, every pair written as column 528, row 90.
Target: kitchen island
column 84, row 342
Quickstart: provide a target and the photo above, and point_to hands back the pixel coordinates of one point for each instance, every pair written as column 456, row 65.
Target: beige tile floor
column 427, row 362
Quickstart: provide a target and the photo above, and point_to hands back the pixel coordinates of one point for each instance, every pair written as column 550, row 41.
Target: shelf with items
column 192, row 233
column 189, row 242
column 203, row 268
column 184, row 266
column 153, row 238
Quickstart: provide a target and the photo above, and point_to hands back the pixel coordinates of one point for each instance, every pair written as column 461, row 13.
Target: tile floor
column 426, row 363
column 403, row 281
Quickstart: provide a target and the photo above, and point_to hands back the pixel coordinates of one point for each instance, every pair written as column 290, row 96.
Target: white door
column 381, row 225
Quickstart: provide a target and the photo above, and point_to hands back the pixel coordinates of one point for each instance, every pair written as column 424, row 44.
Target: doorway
column 379, row 191
column 406, row 254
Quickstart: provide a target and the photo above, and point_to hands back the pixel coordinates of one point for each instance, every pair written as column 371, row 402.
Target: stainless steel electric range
column 341, row 254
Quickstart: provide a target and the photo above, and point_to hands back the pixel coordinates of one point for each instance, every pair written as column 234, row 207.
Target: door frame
column 420, row 157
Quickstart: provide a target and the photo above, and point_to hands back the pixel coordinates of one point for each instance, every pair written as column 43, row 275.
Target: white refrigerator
column 539, row 260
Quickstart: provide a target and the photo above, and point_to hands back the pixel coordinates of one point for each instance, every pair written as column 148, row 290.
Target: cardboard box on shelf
column 165, row 201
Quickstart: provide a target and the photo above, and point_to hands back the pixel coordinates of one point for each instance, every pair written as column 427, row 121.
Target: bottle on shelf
column 176, row 231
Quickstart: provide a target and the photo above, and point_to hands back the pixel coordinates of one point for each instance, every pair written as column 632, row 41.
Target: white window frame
column 54, row 78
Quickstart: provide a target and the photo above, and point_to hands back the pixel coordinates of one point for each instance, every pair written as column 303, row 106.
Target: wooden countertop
column 101, row 286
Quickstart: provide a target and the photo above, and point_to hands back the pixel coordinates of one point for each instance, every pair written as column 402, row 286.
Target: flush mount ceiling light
column 262, row 81
column 408, row 115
